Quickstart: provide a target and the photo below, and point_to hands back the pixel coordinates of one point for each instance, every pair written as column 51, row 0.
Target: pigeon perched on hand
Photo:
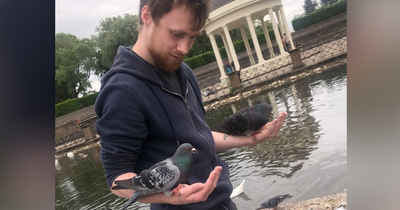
column 247, row 121
column 166, row 176
column 273, row 202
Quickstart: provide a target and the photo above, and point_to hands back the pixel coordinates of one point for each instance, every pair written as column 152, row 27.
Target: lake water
column 307, row 160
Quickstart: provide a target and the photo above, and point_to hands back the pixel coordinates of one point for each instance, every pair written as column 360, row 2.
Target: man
column 228, row 68
column 284, row 40
column 150, row 103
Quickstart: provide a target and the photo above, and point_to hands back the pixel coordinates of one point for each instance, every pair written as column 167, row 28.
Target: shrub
column 319, row 15
column 71, row 105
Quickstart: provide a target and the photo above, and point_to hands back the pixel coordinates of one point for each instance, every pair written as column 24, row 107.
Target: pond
column 308, row 159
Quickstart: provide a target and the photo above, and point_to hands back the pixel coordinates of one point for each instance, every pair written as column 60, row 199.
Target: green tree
column 259, row 29
column 328, row 2
column 113, row 32
column 75, row 60
column 309, row 6
column 200, row 45
column 235, row 34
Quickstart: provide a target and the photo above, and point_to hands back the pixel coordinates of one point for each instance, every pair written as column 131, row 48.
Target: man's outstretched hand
column 270, row 129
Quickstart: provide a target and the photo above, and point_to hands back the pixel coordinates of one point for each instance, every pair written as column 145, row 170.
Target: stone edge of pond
column 277, row 82
column 332, row 201
column 77, row 147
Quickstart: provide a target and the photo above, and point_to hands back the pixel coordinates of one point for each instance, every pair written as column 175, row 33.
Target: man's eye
column 177, row 35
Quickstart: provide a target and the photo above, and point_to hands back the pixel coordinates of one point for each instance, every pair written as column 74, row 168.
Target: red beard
column 165, row 61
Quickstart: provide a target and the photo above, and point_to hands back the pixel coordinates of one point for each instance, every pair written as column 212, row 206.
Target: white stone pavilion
column 230, row 14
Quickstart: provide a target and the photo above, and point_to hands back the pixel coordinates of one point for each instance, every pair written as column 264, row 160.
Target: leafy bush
column 319, row 15
column 71, row 105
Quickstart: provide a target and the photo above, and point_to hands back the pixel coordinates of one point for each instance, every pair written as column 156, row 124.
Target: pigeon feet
column 260, row 130
column 254, row 133
column 175, row 190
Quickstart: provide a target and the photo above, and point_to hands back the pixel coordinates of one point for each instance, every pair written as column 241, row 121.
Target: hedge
column 71, row 105
column 319, row 15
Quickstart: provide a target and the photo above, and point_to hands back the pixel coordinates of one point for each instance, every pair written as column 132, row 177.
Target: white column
column 276, row 32
column 255, row 40
column 271, row 95
column 295, row 98
column 267, row 39
column 247, row 45
column 285, row 99
column 233, row 108
column 217, row 56
column 288, row 34
column 228, row 51
column 231, row 48
column 249, row 102
column 279, row 17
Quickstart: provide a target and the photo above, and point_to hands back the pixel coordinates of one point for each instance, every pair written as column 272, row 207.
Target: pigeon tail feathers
column 135, row 197
column 126, row 184
column 118, row 188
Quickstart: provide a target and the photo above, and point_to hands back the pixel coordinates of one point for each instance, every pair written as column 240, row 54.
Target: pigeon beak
column 195, row 151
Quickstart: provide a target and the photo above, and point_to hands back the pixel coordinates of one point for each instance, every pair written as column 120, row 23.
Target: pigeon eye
column 186, row 149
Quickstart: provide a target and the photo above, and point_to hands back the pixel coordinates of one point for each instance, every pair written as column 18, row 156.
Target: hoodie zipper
column 191, row 117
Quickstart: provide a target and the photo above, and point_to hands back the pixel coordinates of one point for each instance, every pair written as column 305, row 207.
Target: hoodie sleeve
column 122, row 128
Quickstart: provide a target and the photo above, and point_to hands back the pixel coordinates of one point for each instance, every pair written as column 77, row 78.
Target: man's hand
column 193, row 193
column 270, row 130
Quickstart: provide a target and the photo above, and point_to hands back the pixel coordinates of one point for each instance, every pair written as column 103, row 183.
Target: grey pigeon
column 246, row 121
column 165, row 176
column 273, row 202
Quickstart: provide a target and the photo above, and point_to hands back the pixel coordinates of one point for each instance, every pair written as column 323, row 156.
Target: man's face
column 171, row 39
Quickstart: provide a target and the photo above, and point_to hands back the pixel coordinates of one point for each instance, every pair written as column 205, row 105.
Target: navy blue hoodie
column 142, row 122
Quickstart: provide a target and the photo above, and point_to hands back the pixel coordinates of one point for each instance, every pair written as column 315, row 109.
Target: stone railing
column 311, row 36
column 275, row 67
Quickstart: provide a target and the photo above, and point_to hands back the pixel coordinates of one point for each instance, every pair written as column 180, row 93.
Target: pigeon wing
column 129, row 183
column 247, row 120
column 237, row 124
column 160, row 177
column 258, row 115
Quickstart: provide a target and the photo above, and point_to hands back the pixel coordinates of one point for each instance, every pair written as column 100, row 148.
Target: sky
column 80, row 17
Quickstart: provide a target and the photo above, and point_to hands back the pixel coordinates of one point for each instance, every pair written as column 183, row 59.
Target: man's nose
column 184, row 46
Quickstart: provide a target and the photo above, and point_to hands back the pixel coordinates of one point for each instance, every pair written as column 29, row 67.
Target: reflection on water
column 306, row 160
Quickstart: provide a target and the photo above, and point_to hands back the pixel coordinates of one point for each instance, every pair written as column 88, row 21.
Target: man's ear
column 145, row 15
